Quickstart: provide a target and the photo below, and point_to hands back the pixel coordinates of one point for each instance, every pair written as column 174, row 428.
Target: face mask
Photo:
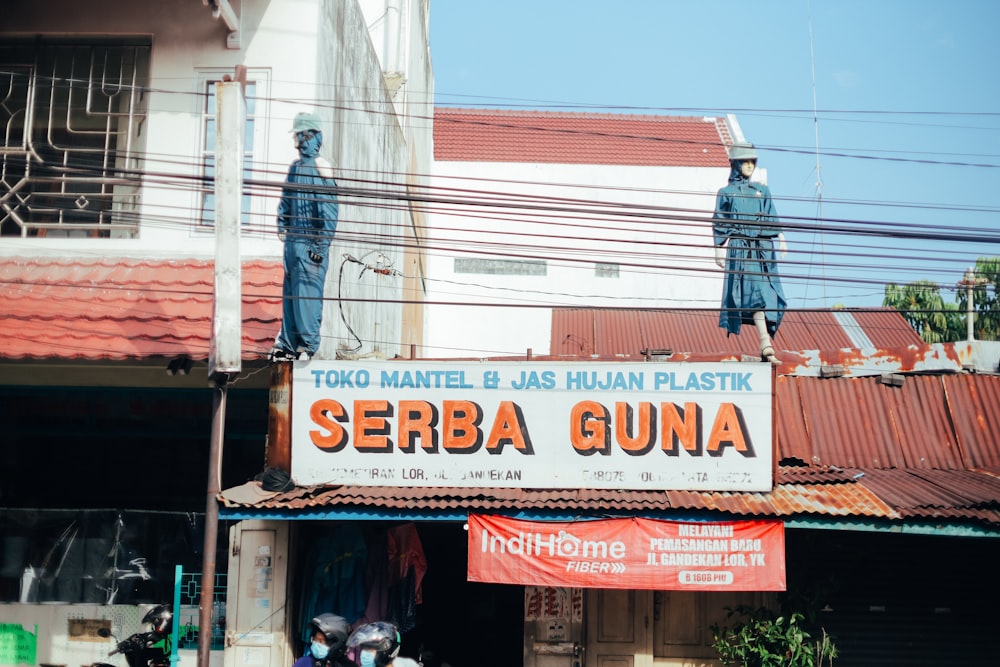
column 319, row 651
column 367, row 658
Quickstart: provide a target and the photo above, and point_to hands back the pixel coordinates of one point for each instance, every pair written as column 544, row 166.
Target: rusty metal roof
column 890, row 495
column 928, row 450
column 503, row 135
column 627, row 331
column 122, row 308
column 848, row 448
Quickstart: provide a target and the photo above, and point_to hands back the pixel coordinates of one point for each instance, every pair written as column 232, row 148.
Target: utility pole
column 970, row 282
column 225, row 356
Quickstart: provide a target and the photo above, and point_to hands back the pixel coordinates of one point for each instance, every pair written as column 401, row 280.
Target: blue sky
column 907, row 91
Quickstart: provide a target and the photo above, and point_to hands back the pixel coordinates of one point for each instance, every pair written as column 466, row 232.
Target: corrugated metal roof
column 849, row 447
column 609, row 332
column 860, row 423
column 121, row 308
column 975, row 417
column 884, row 494
column 495, row 135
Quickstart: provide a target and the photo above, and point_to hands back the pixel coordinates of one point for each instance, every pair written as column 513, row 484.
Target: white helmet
column 742, row 151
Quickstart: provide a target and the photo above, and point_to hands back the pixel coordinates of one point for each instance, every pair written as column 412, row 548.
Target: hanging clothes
column 335, row 576
column 746, row 218
column 407, row 567
column 376, row 579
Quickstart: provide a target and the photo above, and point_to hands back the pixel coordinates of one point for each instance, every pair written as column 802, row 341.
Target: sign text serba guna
column 457, row 427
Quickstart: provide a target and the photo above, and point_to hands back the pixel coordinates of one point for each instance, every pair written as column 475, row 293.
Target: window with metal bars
column 71, row 119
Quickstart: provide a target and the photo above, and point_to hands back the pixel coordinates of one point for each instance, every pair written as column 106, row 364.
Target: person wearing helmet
column 377, row 645
column 161, row 617
column 150, row 648
column 307, row 221
column 327, row 643
column 747, row 232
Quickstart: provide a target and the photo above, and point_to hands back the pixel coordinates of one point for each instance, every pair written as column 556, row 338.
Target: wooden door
column 255, row 595
column 618, row 628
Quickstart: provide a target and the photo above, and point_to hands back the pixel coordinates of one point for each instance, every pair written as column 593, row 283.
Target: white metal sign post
column 677, row 426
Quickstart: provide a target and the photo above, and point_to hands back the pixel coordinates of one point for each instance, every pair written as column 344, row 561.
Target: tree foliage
column 923, row 307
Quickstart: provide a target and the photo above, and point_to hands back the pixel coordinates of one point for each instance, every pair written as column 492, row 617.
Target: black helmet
column 334, row 628
column 161, row 617
column 379, row 636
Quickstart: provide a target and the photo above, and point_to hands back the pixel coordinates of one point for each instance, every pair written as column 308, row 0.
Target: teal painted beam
column 460, row 515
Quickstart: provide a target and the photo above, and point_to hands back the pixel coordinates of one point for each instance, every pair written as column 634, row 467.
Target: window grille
column 189, row 599
column 605, row 270
column 71, row 117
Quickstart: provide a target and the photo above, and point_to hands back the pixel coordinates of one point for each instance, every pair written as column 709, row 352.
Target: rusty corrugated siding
column 860, row 423
column 874, row 494
column 609, row 332
column 886, row 328
column 974, row 406
column 843, row 499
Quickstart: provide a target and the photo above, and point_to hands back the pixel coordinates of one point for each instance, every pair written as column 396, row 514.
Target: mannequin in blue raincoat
column 746, row 233
column 307, row 219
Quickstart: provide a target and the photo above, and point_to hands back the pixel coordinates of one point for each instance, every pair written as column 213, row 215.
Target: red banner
column 629, row 553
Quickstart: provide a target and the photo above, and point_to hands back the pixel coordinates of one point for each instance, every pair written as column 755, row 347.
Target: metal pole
column 207, row 600
column 175, row 627
column 969, row 280
column 225, row 351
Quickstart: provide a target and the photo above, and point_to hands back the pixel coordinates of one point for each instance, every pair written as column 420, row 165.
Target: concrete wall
column 56, row 641
column 662, row 243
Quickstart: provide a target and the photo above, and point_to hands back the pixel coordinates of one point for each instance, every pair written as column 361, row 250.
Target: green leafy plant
column 760, row 638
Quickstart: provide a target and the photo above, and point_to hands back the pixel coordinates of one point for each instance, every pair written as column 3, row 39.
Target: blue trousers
column 302, row 299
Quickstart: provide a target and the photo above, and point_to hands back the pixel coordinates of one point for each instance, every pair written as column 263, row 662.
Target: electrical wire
column 579, row 209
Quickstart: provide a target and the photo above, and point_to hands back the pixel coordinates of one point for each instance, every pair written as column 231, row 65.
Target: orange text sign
column 630, row 425
column 631, row 553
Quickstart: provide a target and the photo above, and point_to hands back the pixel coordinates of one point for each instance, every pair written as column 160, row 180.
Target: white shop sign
column 671, row 426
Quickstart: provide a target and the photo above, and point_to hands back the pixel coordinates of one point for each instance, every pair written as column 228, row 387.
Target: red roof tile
column 491, row 135
column 118, row 308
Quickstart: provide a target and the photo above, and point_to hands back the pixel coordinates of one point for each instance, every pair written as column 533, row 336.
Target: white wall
column 667, row 240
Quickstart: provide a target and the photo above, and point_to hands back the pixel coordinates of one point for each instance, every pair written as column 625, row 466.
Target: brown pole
column 279, row 419
column 211, row 520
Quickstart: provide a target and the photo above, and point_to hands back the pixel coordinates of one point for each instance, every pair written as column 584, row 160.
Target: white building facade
column 543, row 209
column 108, row 136
column 109, row 120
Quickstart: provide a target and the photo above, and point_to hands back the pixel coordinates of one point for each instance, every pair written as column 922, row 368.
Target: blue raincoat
column 745, row 215
column 308, row 219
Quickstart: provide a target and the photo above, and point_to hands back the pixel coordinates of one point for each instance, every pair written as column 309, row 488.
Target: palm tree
column 921, row 304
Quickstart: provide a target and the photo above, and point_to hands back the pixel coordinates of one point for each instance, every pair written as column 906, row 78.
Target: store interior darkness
column 458, row 623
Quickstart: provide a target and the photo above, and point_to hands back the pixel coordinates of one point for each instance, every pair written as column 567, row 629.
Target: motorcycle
column 146, row 649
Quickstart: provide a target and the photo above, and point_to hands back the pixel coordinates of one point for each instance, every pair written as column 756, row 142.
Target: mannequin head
column 747, row 167
column 743, row 158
